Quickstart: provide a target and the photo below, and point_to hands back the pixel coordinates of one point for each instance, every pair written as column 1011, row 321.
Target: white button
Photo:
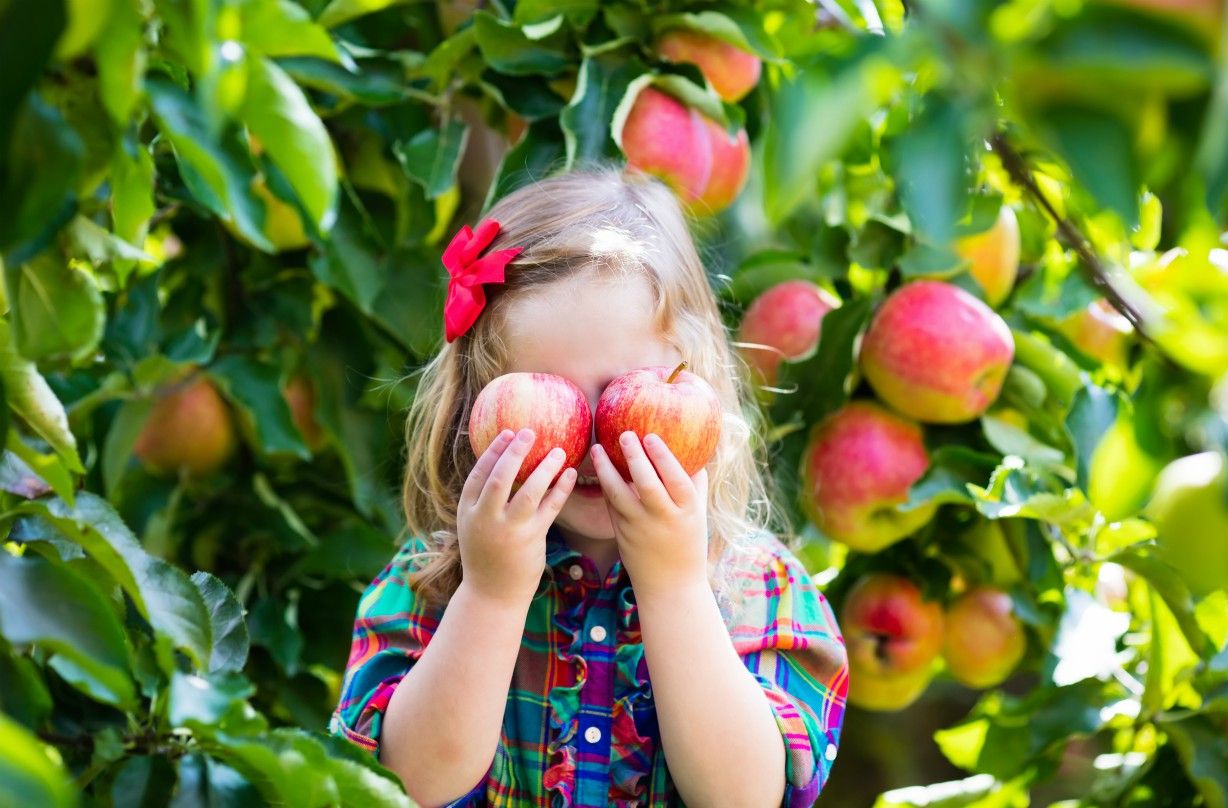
column 597, row 633
column 592, row 735
column 576, row 572
column 830, row 754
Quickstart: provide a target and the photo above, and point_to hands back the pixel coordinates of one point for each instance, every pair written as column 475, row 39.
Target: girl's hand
column 502, row 541
column 662, row 525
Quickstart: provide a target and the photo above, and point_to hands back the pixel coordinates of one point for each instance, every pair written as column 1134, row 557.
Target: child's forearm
column 720, row 739
column 442, row 725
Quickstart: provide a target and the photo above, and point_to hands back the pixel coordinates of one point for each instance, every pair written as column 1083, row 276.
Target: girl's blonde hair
column 603, row 222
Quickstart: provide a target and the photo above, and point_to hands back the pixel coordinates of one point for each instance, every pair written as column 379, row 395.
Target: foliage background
column 254, row 191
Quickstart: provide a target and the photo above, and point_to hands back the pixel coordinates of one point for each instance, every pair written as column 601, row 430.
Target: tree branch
column 1068, row 234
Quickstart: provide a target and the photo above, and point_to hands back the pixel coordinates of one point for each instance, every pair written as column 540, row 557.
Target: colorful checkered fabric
column 580, row 727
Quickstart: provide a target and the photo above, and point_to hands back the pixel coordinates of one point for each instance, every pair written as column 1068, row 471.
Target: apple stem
column 681, row 367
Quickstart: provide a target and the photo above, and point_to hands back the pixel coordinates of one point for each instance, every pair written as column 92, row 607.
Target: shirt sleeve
column 391, row 630
column 786, row 633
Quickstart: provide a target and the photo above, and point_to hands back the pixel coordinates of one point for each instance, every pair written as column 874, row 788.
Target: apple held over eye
column 553, row 407
column 893, row 637
column 672, row 403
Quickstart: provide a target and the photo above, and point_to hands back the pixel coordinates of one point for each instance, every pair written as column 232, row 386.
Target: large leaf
column 28, row 775
column 294, row 137
column 930, row 166
column 1099, row 147
column 431, row 157
column 587, row 118
column 162, row 593
column 230, row 641
column 30, row 397
column 811, row 119
column 509, row 49
column 120, row 54
column 820, row 381
column 38, row 178
column 58, row 313
column 51, row 606
column 213, row 171
column 1203, row 749
column 284, row 28
column 1094, row 410
column 28, row 33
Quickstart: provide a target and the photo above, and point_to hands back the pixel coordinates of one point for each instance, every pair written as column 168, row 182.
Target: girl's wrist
column 672, row 592
column 498, row 598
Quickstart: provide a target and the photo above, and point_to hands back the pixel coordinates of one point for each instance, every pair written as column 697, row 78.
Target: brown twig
column 1068, row 234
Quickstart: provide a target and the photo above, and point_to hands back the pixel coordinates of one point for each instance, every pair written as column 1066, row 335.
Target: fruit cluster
column 699, row 159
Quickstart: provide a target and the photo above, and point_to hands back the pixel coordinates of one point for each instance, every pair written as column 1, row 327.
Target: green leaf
column 1168, row 584
column 508, row 49
column 586, row 119
column 199, row 701
column 161, row 592
column 51, row 606
column 1004, row 734
column 1203, row 749
column 121, row 60
column 577, row 12
column 290, row 767
column 49, row 469
column 284, row 28
column 1091, row 415
column 207, row 783
column 794, row 147
column 1012, row 440
column 1099, row 147
column 144, row 781
column 28, row 33
column 1061, row 376
column 23, row 694
column 214, row 172
column 359, row 778
column 274, row 626
column 256, row 387
column 294, row 138
column 230, row 641
column 132, row 202
column 375, row 85
column 341, row 11
column 30, row 773
column 930, row 168
column 38, row 179
column 30, row 397
column 952, row 470
column 431, row 157
column 58, row 313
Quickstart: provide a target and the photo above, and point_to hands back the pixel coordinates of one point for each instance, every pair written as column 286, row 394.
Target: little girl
column 589, row 642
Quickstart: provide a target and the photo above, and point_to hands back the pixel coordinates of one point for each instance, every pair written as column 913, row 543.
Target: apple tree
column 972, row 252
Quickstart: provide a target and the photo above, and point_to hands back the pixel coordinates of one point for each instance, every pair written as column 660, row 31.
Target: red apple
column 936, row 353
column 993, row 256
column 982, row 639
column 553, row 407
column 673, row 403
column 786, row 319
column 664, row 137
column 730, row 168
column 300, row 396
column 893, row 637
column 731, row 71
column 858, row 465
column 189, row 430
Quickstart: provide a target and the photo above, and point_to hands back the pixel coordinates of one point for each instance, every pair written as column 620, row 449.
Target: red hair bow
column 469, row 270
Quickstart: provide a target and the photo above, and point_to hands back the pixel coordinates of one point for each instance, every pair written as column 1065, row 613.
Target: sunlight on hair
column 618, row 244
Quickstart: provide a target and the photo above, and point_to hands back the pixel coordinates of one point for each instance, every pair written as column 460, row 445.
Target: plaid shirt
column 580, row 727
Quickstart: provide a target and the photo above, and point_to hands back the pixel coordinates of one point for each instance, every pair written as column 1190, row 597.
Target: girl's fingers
column 617, row 492
column 647, row 483
column 524, row 503
column 556, row 498
column 498, row 487
column 486, row 463
column 677, row 482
